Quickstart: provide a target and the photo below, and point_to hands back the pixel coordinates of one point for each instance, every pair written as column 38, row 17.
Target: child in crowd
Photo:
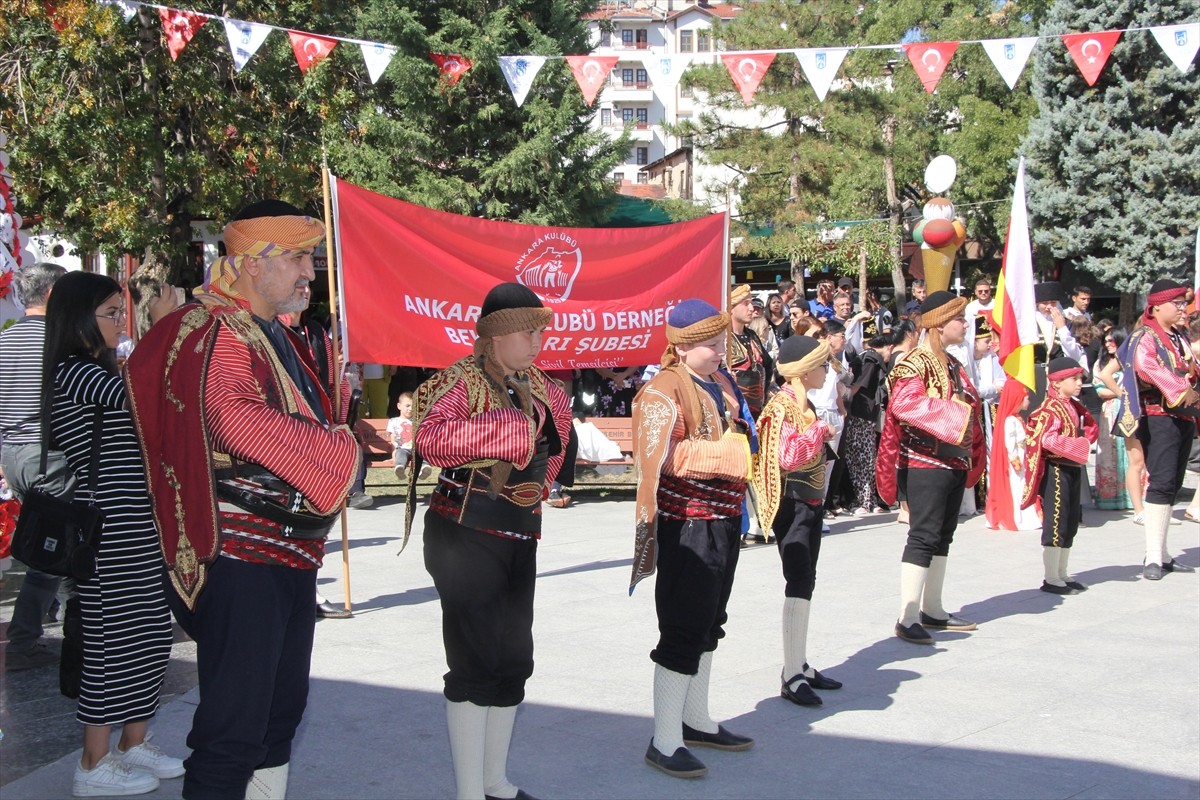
column 1014, row 438
column 400, row 431
column 1061, row 432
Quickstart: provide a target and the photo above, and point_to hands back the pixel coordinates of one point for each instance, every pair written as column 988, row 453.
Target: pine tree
column 1114, row 169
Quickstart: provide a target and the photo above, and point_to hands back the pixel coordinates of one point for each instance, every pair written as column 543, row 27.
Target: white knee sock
column 1063, row 558
column 1051, row 557
column 1157, row 519
column 931, row 601
column 670, row 694
column 269, row 783
column 912, row 583
column 795, row 636
column 500, row 721
column 467, row 724
column 695, row 705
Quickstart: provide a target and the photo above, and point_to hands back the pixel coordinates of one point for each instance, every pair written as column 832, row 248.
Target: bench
column 377, row 447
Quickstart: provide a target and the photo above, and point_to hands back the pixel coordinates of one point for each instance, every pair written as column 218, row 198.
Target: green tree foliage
column 1114, row 169
column 826, row 160
column 120, row 148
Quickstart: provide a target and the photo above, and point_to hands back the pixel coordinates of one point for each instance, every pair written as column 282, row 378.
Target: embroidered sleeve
column 449, row 436
column 1073, row 448
column 560, row 411
column 945, row 419
column 796, row 448
column 1152, row 370
column 318, row 462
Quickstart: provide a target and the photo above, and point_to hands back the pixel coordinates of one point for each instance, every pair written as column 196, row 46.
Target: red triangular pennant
column 930, row 60
column 590, row 73
column 310, row 49
column 57, row 20
column 452, row 66
column 179, row 27
column 1091, row 51
column 747, row 71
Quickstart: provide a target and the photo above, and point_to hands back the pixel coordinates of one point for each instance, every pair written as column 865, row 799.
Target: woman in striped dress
column 126, row 624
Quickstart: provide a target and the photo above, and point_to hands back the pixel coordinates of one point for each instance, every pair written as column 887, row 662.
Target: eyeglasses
column 1179, row 303
column 116, row 317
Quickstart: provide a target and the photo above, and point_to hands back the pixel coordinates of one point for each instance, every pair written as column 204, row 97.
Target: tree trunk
column 862, row 277
column 793, row 125
column 893, row 201
column 1127, row 313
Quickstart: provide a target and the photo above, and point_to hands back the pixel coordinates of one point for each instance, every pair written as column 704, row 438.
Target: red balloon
column 939, row 232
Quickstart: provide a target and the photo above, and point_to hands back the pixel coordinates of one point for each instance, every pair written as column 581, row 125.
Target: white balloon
column 940, row 173
column 22, row 239
column 27, row 257
column 3, row 160
column 3, row 139
column 938, row 208
column 17, row 220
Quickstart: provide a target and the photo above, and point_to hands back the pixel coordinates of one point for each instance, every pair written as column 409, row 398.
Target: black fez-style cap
column 509, row 295
column 269, row 208
column 795, row 348
column 870, row 328
column 1048, row 292
column 1062, row 367
column 937, row 300
column 982, row 325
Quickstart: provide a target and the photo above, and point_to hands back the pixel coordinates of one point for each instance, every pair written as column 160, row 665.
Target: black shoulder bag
column 57, row 535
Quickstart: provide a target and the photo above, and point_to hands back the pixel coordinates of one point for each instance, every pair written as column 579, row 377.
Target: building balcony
column 632, row 92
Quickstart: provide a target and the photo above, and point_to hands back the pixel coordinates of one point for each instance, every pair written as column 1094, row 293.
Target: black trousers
column 253, row 627
column 696, row 562
column 934, row 496
column 1062, row 510
column 485, row 583
column 797, row 529
column 1167, row 443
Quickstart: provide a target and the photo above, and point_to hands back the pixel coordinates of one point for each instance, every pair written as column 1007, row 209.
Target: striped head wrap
column 1164, row 291
column 941, row 307
column 267, row 229
column 691, row 322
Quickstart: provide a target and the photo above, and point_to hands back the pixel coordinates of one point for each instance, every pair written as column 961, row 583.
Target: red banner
column 747, row 71
column 412, row 281
column 590, row 73
column 310, row 49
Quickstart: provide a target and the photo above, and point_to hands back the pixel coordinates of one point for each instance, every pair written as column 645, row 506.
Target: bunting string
column 1089, row 50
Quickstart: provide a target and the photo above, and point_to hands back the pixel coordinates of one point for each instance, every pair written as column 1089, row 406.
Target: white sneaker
column 111, row 778
column 148, row 758
column 401, row 472
column 1137, row 519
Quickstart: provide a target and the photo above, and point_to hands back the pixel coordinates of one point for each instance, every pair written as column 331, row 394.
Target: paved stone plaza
column 1092, row 696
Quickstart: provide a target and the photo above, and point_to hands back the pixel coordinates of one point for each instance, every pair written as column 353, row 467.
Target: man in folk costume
column 1061, row 433
column 751, row 367
column 693, row 463
column 499, row 428
column 932, row 439
column 790, row 477
column 247, row 468
column 1160, row 406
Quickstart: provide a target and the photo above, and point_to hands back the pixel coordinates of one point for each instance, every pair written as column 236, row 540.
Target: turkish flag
column 57, row 20
column 412, row 280
column 452, row 66
column 747, row 71
column 590, row 73
column 1091, row 51
column 180, row 27
column 310, row 49
column 930, row 60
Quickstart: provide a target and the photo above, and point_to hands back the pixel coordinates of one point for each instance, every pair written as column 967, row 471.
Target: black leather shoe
column 1175, row 566
column 950, row 623
column 1055, row 589
column 521, row 795
column 681, row 763
column 802, row 695
column 1077, row 586
column 914, row 633
column 721, row 740
column 328, row 610
column 819, row 681
column 1152, row 572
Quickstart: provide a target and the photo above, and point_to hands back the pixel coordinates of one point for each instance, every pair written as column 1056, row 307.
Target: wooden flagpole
column 335, row 331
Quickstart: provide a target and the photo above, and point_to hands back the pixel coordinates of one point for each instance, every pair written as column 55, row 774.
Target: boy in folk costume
column 693, row 463
column 932, row 439
column 790, row 478
column 498, row 427
column 1160, row 405
column 1061, row 432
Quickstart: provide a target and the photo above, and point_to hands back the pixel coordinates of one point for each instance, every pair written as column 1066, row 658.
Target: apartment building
column 658, row 164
